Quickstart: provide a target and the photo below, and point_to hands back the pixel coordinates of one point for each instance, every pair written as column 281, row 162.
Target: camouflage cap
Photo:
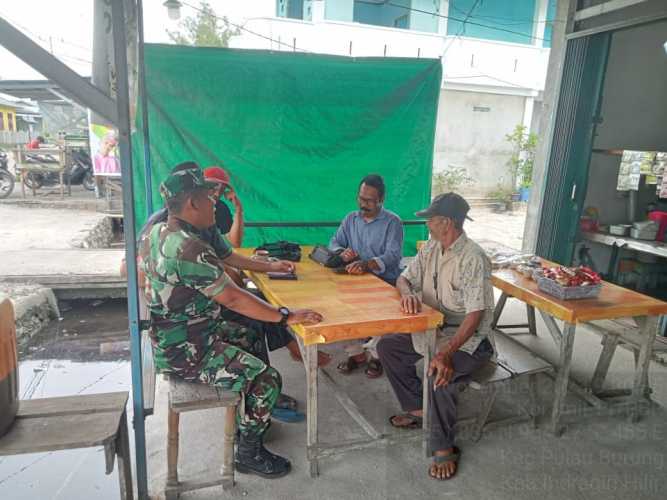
column 184, row 178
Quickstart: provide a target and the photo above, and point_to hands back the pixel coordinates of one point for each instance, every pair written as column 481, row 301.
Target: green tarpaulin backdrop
column 297, row 132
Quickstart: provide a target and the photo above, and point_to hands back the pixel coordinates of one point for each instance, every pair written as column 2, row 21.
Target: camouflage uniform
column 190, row 338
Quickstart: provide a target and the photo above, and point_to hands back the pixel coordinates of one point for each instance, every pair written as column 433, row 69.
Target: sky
column 67, row 32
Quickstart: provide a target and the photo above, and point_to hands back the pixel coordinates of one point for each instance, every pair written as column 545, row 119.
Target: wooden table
column 82, row 421
column 25, row 168
column 354, row 307
column 613, row 302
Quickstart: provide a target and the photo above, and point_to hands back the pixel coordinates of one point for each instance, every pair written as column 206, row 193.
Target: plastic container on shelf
column 661, row 219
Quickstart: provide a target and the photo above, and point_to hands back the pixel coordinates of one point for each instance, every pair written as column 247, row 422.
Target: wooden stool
column 82, row 421
column 187, row 396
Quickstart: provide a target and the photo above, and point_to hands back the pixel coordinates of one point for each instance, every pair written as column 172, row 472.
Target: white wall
column 475, row 140
column 334, row 37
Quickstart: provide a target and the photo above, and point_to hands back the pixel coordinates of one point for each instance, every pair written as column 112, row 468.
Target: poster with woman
column 103, row 145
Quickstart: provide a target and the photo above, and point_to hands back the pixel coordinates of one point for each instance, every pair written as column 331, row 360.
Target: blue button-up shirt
column 380, row 240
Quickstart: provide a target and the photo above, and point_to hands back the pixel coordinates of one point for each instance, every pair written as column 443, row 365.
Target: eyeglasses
column 370, row 201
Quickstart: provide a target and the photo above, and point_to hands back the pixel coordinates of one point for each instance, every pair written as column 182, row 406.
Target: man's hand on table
column 410, row 304
column 282, row 266
column 441, row 369
column 304, row 317
column 357, row 267
column 348, row 255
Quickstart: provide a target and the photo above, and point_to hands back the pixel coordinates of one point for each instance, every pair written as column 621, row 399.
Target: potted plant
column 503, row 198
column 520, row 163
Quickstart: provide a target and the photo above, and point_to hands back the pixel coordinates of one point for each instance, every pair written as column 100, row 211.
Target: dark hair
column 376, row 181
column 40, row 139
column 458, row 223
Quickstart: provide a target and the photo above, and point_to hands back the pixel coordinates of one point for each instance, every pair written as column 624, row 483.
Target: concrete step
column 480, row 202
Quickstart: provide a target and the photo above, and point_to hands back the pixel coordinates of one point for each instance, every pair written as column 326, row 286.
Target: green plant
column 521, row 162
column 450, row 180
column 205, row 29
column 501, row 194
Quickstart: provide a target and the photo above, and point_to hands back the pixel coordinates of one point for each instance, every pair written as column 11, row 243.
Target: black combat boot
column 253, row 458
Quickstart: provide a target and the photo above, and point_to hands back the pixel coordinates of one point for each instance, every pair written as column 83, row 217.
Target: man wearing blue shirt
column 371, row 240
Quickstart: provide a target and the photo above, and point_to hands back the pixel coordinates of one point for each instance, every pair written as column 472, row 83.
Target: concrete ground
column 606, row 457
column 40, row 241
column 505, row 228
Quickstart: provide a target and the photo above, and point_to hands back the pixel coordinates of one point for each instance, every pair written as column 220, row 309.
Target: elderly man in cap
column 185, row 288
column 450, row 273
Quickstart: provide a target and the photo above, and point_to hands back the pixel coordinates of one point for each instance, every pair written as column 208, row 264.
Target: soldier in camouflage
column 185, row 288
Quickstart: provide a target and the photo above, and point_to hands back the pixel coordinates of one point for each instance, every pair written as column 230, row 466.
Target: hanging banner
column 104, row 149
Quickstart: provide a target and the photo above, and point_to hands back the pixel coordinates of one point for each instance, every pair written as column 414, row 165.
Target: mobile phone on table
column 281, row 276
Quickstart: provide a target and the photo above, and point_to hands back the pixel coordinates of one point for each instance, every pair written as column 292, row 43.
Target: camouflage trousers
column 232, row 364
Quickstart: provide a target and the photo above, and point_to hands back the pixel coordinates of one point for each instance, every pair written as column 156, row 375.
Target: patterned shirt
column 456, row 282
column 183, row 274
column 380, row 240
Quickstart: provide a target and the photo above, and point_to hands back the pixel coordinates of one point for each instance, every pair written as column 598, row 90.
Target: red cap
column 216, row 174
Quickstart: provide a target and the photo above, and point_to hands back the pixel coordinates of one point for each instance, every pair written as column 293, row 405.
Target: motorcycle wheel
column 6, row 184
column 33, row 179
column 89, row 182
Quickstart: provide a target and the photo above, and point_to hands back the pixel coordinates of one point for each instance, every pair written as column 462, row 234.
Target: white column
column 540, row 25
column 318, row 11
column 442, row 21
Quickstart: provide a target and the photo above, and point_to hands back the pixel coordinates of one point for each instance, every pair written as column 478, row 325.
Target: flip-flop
column 452, row 457
column 286, row 402
column 416, row 422
column 287, row 416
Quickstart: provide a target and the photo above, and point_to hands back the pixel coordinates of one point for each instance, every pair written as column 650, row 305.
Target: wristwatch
column 285, row 312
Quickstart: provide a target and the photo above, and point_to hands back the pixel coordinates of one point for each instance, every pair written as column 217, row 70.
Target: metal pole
column 123, row 104
column 148, row 179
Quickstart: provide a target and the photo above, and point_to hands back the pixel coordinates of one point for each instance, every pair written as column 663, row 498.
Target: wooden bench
column 70, row 422
column 513, row 361
column 619, row 332
column 184, row 397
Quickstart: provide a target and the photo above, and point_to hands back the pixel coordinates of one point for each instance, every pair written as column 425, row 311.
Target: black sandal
column 416, row 421
column 348, row 366
column 373, row 368
column 452, row 457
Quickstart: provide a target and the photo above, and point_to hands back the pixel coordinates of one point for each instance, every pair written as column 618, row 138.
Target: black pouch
column 284, row 250
column 328, row 258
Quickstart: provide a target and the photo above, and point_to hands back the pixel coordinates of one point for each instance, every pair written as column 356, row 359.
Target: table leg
column 532, row 324
column 311, row 408
column 124, row 464
column 566, row 345
column 429, row 351
column 649, row 329
column 499, row 309
column 609, row 344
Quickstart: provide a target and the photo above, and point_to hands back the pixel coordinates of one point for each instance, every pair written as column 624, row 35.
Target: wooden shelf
column 610, row 152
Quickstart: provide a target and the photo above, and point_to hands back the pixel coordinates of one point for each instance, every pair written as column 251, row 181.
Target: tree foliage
column 205, row 29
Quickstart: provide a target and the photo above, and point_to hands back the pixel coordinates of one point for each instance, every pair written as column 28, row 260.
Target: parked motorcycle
column 80, row 171
column 6, row 178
